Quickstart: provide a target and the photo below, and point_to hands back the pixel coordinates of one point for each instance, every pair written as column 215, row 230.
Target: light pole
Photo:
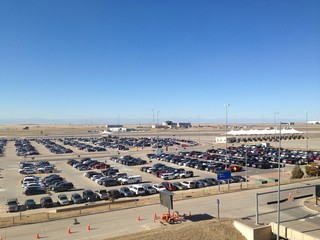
column 226, row 106
column 157, row 132
column 246, row 166
column 278, row 205
column 307, row 141
column 152, row 116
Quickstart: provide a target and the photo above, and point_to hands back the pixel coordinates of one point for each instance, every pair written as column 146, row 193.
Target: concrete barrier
column 253, row 232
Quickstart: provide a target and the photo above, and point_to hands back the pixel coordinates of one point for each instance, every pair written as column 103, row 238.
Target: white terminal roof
column 263, row 132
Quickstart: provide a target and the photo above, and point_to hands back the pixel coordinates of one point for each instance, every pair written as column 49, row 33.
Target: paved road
column 118, row 223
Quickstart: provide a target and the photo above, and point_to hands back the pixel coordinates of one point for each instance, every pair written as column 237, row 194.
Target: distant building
column 313, row 122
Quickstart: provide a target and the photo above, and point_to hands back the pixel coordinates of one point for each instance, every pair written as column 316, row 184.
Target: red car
column 101, row 165
column 234, row 168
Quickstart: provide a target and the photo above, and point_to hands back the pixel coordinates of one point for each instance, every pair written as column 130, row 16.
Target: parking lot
column 58, row 154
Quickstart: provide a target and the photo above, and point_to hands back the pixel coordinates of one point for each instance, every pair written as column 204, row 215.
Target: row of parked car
column 53, row 147
column 24, row 148
column 81, row 146
column 33, row 185
column 87, row 164
column 3, row 143
column 128, row 160
column 33, row 168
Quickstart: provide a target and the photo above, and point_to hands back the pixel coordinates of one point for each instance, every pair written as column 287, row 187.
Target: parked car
column 130, row 179
column 179, row 186
column 114, row 194
column 137, row 190
column 158, row 187
column 169, row 186
column 34, row 190
column 62, row 199
column 189, row 184
column 76, row 198
column 125, row 192
column 30, row 204
column 102, row 194
column 62, row 187
column 149, row 189
column 89, row 196
column 12, row 205
column 186, row 174
column 46, row 202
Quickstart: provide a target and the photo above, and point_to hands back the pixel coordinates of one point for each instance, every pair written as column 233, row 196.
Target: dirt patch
column 209, row 229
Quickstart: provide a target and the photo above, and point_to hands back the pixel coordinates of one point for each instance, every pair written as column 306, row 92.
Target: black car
column 34, row 190
column 30, row 204
column 46, row 202
column 62, row 187
column 114, row 194
column 89, row 196
column 76, row 198
column 110, row 182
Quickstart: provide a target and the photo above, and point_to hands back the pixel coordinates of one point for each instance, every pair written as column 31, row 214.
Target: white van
column 137, row 190
column 167, row 176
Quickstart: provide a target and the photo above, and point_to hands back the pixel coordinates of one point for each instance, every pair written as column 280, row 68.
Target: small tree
column 297, row 172
column 312, row 170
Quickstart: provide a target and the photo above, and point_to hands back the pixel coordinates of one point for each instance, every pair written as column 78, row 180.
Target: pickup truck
column 130, row 179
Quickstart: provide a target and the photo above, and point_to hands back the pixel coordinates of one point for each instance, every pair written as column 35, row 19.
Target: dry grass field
column 209, row 229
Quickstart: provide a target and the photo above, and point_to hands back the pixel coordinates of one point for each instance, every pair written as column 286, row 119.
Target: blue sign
column 224, row 175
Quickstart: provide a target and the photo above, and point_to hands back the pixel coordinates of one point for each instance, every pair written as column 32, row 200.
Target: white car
column 158, row 187
column 137, row 190
column 62, row 199
column 149, row 189
column 27, row 170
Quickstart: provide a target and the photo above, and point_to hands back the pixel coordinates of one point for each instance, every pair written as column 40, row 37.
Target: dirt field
column 209, row 229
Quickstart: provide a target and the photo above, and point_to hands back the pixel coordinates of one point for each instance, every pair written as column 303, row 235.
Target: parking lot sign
column 224, row 175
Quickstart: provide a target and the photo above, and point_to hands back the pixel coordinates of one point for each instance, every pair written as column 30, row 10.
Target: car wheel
column 171, row 221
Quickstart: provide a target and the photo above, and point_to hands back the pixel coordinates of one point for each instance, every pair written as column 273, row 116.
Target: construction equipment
column 172, row 218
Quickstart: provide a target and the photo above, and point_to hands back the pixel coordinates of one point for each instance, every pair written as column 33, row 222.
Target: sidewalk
column 310, row 204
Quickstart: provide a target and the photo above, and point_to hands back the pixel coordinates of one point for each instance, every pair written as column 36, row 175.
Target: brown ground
column 209, row 229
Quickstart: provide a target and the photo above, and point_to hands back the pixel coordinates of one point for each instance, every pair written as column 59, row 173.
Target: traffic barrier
column 68, row 231
column 89, row 227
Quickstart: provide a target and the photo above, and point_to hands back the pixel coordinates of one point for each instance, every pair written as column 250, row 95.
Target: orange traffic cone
column 37, row 236
column 69, row 231
column 139, row 219
column 0, row 237
column 89, row 227
column 155, row 216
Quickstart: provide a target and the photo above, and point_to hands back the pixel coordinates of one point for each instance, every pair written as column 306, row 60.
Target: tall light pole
column 278, row 204
column 246, row 147
column 226, row 106
column 307, row 141
column 157, row 132
column 279, row 159
column 152, row 116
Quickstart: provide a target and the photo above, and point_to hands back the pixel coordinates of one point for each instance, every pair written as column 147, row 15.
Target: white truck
column 130, row 179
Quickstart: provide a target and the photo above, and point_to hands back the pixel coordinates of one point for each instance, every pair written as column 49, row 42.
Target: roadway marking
column 311, row 217
column 301, row 220
column 2, row 189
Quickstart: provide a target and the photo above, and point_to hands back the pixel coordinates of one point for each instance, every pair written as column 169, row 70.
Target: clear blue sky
column 97, row 60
